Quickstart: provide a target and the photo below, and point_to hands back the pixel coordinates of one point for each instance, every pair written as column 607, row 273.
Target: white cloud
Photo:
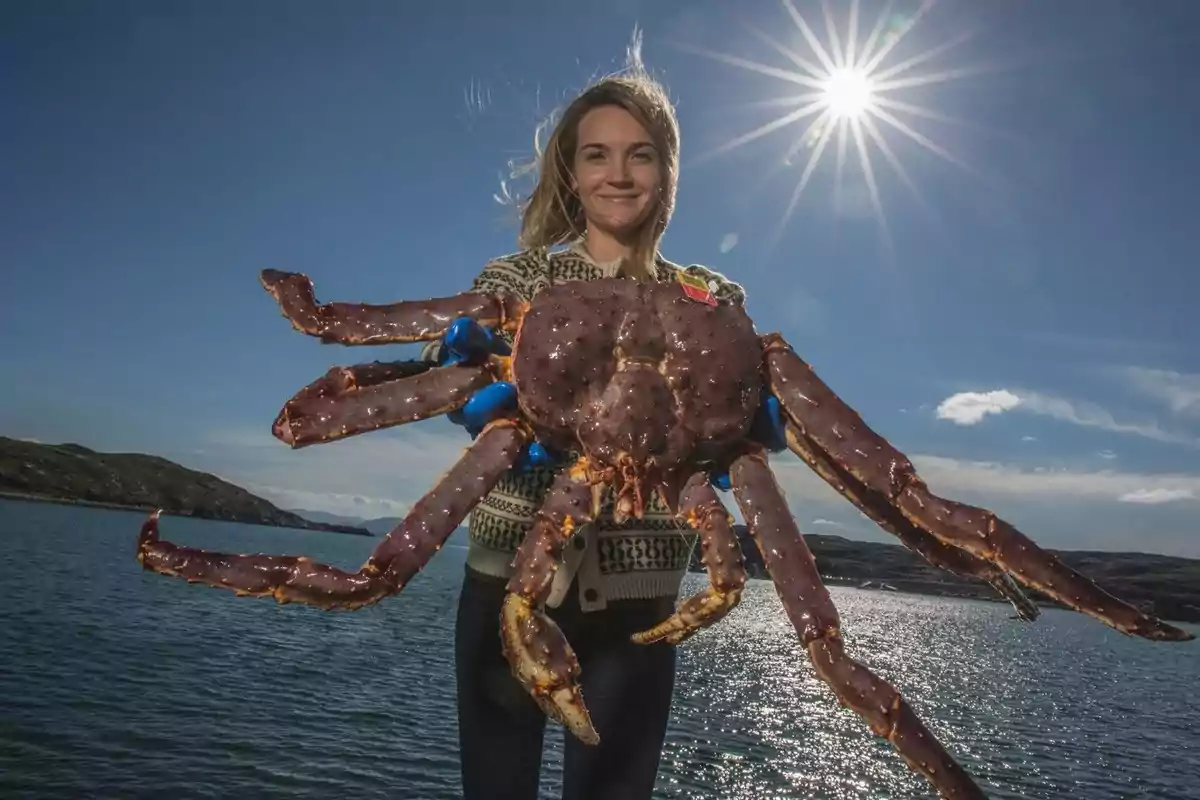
column 1093, row 416
column 728, row 242
column 1108, row 455
column 1157, row 496
column 946, row 476
column 1180, row 392
column 970, row 408
column 951, row 477
column 828, row 522
column 1029, row 439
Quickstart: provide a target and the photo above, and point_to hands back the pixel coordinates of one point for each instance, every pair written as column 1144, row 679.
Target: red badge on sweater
column 696, row 288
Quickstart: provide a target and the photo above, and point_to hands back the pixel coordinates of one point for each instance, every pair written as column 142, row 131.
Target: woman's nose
column 618, row 172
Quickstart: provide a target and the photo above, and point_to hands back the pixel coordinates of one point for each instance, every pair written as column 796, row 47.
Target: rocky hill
column 1166, row 586
column 70, row 473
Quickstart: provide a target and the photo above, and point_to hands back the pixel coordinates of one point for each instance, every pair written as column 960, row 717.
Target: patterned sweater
column 638, row 559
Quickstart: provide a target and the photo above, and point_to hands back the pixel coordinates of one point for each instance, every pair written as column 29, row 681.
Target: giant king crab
column 656, row 390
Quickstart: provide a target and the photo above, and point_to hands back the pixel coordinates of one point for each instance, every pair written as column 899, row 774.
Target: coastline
column 881, row 579
column 1167, row 587
column 25, row 497
column 71, row 474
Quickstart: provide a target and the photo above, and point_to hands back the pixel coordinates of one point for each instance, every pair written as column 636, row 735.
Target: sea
column 117, row 683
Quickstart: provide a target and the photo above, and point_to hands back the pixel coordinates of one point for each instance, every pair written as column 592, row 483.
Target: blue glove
column 767, row 429
column 468, row 342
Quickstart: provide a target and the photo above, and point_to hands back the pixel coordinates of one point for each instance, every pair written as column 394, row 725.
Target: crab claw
column 721, row 555
column 545, row 664
column 696, row 613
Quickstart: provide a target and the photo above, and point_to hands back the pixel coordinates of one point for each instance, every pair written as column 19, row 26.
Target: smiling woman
column 604, row 194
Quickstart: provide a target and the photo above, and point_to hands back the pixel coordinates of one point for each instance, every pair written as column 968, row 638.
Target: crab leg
column 815, row 618
column 394, row 323
column 401, row 554
column 350, row 400
column 832, row 428
column 540, row 656
column 721, row 555
column 934, row 551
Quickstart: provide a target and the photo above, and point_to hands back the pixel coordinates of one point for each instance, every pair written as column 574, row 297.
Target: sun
column 848, row 93
column 849, row 99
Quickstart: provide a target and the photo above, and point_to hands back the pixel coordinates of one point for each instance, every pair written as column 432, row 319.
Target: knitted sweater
column 644, row 558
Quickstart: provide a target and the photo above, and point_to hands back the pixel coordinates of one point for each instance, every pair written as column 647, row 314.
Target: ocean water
column 115, row 683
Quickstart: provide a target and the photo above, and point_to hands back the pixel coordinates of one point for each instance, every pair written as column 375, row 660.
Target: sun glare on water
column 848, row 97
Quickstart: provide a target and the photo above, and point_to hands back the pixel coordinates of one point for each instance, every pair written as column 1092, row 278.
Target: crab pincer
column 720, row 553
column 540, row 656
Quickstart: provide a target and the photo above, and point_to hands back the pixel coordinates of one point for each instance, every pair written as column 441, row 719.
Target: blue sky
column 1026, row 330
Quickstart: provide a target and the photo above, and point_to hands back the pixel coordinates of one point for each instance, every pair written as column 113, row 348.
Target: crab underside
column 650, row 392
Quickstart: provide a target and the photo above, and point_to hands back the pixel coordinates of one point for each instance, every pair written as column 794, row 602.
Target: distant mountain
column 71, row 473
column 1165, row 586
column 330, row 519
column 376, row 525
column 381, row 525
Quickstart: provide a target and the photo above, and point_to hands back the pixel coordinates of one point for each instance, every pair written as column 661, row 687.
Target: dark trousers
column 627, row 688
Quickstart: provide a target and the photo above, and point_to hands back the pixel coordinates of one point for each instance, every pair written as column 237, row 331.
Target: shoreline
column 899, row 586
column 146, row 509
column 1162, row 586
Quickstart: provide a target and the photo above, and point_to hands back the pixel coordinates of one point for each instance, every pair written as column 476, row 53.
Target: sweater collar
column 609, row 268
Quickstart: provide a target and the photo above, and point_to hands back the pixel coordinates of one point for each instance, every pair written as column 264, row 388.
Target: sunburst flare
column 847, row 98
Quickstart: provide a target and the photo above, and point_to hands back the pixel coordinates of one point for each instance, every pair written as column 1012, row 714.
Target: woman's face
column 617, row 171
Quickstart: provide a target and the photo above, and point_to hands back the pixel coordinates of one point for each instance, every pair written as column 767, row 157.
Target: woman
column 606, row 189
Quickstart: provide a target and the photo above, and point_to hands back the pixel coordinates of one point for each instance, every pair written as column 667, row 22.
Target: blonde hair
column 553, row 214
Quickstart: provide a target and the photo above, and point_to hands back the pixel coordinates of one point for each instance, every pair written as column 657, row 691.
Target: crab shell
column 641, row 377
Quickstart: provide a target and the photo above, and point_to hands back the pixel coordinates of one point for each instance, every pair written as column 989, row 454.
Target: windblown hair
column 553, row 214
